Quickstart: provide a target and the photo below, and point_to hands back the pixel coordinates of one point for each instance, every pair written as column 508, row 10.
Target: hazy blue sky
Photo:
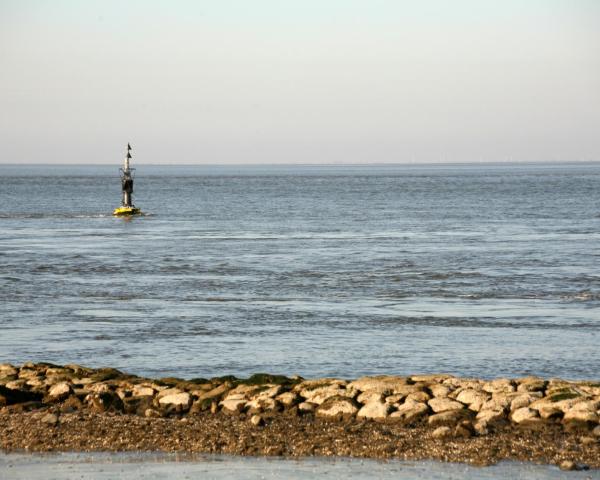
column 307, row 81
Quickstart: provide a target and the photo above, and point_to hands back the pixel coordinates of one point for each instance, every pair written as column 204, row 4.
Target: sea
column 483, row 270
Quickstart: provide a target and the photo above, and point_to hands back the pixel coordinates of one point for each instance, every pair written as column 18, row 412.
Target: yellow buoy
column 120, row 211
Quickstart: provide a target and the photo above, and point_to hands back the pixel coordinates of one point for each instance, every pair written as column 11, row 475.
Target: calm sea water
column 472, row 270
column 109, row 466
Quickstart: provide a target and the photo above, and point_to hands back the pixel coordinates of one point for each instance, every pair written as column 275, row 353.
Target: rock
column 338, row 407
column 98, row 388
column 442, row 432
column 257, row 420
column 26, row 373
column 137, row 405
column 473, row 398
column 367, row 397
column 587, row 405
column 16, row 384
column 450, row 417
column 152, row 413
column 409, row 411
column 59, row 392
column 167, row 392
column 523, row 400
column 104, row 402
column 500, row 385
column 142, row 391
column 581, row 416
column 11, row 396
column 548, row 408
column 421, row 396
column 306, row 407
column 438, row 390
column 320, row 392
column 179, row 402
column 233, row 406
column 497, row 402
column 481, row 428
column 374, row 410
column 262, row 405
column 596, row 431
column 391, row 399
column 270, row 392
column 7, row 370
column 568, row 465
column 50, row 419
column 491, row 416
column 384, row 384
column 532, row 385
column 36, row 382
column 201, row 405
column 216, row 393
column 287, row 399
column 439, row 405
column 523, row 415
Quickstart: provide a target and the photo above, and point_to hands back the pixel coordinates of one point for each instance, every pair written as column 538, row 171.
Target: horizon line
column 352, row 164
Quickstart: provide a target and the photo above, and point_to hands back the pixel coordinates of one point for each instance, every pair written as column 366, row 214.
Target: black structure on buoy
column 127, row 207
column 127, row 180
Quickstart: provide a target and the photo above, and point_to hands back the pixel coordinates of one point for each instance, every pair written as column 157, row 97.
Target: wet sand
column 108, row 466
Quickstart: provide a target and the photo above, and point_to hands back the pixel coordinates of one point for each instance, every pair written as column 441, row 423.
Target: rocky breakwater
column 419, row 416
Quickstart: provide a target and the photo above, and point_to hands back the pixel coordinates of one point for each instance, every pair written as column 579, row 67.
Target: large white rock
column 235, row 405
column 374, row 410
column 409, row 411
column 169, row 391
column 524, row 400
column 439, row 405
column 319, row 394
column 142, row 391
column 524, row 414
column 584, row 416
column 181, row 401
column 336, row 407
column 287, row 398
column 489, row 416
column 473, row 398
column 6, row 369
column 438, row 390
column 60, row 391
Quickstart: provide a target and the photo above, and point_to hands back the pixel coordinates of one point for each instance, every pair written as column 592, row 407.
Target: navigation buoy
column 127, row 207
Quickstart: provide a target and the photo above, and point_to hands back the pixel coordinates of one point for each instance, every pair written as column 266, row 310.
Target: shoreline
column 50, row 408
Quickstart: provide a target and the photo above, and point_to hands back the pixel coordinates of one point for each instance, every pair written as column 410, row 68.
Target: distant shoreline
column 46, row 407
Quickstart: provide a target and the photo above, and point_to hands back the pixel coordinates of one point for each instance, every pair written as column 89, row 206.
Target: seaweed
column 557, row 397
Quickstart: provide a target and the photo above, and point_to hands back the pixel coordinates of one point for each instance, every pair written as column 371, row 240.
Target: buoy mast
column 127, row 207
column 127, row 180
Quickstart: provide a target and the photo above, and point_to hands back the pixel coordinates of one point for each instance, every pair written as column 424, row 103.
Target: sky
column 299, row 81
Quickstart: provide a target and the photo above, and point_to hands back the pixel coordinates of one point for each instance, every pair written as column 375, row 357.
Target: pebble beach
column 45, row 407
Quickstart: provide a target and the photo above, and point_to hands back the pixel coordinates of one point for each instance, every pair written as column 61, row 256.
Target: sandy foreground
column 54, row 408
